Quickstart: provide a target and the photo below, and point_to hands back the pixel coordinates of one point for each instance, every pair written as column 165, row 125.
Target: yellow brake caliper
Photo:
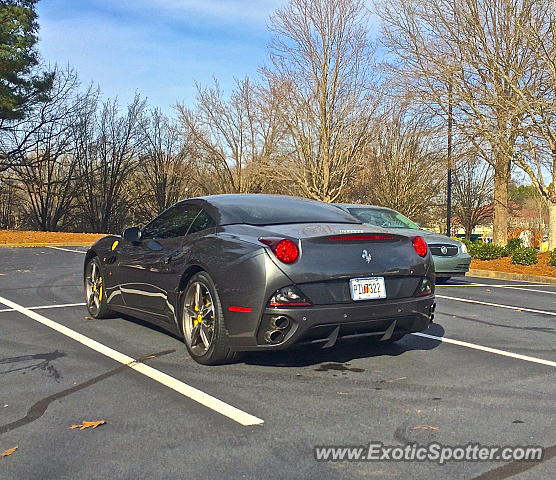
column 199, row 318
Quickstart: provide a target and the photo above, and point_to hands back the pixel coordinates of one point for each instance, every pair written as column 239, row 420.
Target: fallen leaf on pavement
column 517, row 309
column 425, row 427
column 85, row 424
column 9, row 451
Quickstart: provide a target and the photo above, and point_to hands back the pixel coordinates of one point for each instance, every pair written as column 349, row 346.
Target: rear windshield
column 383, row 218
column 275, row 211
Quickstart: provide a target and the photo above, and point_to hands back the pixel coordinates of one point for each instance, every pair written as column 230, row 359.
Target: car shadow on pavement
column 151, row 326
column 344, row 351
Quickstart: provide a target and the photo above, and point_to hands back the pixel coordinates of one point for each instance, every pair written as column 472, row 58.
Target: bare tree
column 19, row 136
column 10, row 200
column 537, row 153
column 107, row 151
column 469, row 53
column 232, row 138
column 165, row 173
column 47, row 172
column 472, row 194
column 402, row 169
column 321, row 66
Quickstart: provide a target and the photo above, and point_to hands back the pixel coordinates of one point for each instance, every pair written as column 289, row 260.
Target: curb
column 520, row 277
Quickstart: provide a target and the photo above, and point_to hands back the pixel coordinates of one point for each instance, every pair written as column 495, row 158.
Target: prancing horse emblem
column 366, row 256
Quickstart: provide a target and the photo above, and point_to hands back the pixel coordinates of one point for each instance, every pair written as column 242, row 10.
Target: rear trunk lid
column 343, row 251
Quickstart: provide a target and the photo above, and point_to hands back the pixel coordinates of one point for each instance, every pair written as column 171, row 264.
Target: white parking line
column 511, row 287
column 43, row 307
column 65, row 249
column 193, row 393
column 497, row 285
column 487, row 349
column 509, row 307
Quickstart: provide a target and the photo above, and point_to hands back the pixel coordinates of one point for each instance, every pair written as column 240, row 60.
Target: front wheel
column 203, row 326
column 95, row 293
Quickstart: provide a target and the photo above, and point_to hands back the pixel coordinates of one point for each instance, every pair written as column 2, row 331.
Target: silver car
column 450, row 256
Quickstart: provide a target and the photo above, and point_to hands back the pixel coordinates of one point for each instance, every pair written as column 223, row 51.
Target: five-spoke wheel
column 203, row 327
column 198, row 318
column 95, row 294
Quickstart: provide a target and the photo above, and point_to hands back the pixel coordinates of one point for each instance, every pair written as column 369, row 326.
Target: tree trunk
column 551, row 224
column 500, row 220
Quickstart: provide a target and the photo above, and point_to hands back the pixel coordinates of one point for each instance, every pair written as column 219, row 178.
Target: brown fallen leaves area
column 81, row 426
column 24, row 237
column 85, row 424
column 505, row 264
column 8, row 452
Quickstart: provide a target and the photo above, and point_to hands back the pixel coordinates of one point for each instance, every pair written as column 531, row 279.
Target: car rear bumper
column 326, row 323
column 450, row 266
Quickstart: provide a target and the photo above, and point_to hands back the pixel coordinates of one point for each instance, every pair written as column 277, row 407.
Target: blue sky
column 158, row 48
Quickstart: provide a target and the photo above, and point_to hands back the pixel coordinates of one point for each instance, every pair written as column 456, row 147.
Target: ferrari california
column 233, row 273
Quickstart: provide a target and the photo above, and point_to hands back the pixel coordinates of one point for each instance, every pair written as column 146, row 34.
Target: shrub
column 471, row 246
column 552, row 258
column 524, row 256
column 486, row 251
column 513, row 245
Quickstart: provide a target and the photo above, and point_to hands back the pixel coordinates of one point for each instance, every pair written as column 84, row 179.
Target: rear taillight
column 420, row 246
column 284, row 249
column 362, row 237
column 289, row 297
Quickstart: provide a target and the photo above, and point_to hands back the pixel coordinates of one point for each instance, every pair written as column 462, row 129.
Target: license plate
column 367, row 288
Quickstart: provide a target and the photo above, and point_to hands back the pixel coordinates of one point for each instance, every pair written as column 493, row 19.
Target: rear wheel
column 95, row 294
column 203, row 326
column 442, row 280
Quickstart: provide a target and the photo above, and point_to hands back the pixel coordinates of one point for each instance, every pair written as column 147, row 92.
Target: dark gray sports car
column 232, row 273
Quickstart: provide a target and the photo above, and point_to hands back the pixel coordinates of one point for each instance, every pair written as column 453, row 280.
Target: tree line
column 327, row 118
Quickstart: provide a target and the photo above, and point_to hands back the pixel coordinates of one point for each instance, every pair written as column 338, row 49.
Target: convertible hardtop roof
column 263, row 209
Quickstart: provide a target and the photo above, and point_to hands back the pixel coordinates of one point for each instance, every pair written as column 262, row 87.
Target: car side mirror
column 132, row 234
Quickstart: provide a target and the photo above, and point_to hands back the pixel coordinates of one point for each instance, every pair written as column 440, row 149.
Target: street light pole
column 449, row 187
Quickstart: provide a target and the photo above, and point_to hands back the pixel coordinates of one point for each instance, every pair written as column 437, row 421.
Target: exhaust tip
column 273, row 336
column 279, row 322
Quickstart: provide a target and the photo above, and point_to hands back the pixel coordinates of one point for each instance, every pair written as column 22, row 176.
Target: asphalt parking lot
column 496, row 388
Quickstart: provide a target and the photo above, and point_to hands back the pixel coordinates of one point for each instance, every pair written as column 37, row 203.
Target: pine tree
column 20, row 82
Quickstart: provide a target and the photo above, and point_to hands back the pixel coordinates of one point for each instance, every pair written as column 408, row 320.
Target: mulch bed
column 22, row 237
column 505, row 264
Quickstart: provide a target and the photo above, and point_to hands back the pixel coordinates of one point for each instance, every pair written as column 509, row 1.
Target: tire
column 202, row 323
column 442, row 280
column 95, row 294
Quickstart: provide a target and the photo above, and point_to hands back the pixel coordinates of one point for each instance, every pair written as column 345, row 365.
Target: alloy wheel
column 198, row 318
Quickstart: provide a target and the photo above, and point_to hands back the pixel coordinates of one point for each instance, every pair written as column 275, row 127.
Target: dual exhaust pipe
column 276, row 334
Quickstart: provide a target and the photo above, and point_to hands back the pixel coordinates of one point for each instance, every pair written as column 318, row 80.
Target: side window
column 202, row 221
column 174, row 222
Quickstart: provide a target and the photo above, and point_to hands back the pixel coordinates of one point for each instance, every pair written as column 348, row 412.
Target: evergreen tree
column 20, row 83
